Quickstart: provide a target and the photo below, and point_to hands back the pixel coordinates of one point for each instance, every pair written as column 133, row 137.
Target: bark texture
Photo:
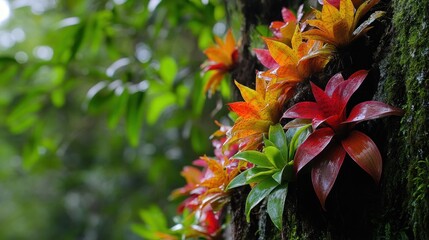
column 396, row 53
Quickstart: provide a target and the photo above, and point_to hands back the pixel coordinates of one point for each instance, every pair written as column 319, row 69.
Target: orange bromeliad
column 221, row 59
column 339, row 27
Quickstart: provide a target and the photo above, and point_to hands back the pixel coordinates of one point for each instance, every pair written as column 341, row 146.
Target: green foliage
column 272, row 171
column 100, row 101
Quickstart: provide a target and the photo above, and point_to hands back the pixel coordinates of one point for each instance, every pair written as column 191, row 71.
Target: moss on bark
column 406, row 73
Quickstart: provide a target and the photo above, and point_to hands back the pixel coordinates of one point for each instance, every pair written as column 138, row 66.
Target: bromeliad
column 334, row 136
column 222, row 58
column 339, row 27
column 296, row 63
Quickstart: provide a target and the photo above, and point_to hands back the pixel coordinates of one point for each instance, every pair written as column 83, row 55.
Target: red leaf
column 325, row 103
column 364, row 152
column 265, row 58
column 211, row 222
column 345, row 90
column 371, row 110
column 325, row 171
column 312, row 146
column 333, row 83
column 304, row 110
column 288, row 15
column 335, row 3
column 333, row 121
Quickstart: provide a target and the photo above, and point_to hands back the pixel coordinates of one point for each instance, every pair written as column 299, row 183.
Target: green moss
column 407, row 82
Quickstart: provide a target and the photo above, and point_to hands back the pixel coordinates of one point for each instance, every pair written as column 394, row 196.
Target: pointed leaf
column 362, row 10
column 168, row 70
column 278, row 176
column 288, row 15
column 244, row 109
column 325, row 171
column 304, row 110
column 268, row 143
column 238, row 181
column 333, row 84
column 257, row 194
column 273, row 154
column 364, row 152
column 276, row 204
column 277, row 136
column 347, row 12
column 330, row 14
column 247, row 93
column 254, row 157
column 324, row 102
column 372, row 110
column 365, row 25
column 229, row 42
column 265, row 58
column 312, row 146
column 280, row 52
column 296, row 38
column 345, row 90
column 259, row 174
column 218, row 55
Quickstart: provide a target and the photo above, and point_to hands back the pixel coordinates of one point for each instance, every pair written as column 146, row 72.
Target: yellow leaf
column 280, row 52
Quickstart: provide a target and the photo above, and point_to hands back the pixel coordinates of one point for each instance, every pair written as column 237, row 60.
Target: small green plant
column 272, row 170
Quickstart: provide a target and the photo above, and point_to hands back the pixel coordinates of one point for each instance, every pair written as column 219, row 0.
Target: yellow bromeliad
column 299, row 61
column 339, row 26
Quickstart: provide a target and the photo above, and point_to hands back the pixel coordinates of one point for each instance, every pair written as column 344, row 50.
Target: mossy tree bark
column 397, row 55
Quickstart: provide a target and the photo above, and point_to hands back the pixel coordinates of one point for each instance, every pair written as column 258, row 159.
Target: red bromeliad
column 333, row 135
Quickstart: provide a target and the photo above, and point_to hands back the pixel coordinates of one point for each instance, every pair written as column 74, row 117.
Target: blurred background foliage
column 101, row 105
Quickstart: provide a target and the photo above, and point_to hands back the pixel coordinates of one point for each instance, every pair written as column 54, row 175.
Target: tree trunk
column 396, row 53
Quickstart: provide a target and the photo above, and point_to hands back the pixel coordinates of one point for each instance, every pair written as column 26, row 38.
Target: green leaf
column 257, row 194
column 168, row 70
column 24, row 115
column 277, row 135
column 198, row 96
column 238, row 181
column 157, row 106
column 296, row 136
column 273, row 154
column 118, row 108
column 278, row 176
column 97, row 96
column 254, row 157
column 134, row 117
column 268, row 143
column 258, row 174
column 276, row 204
